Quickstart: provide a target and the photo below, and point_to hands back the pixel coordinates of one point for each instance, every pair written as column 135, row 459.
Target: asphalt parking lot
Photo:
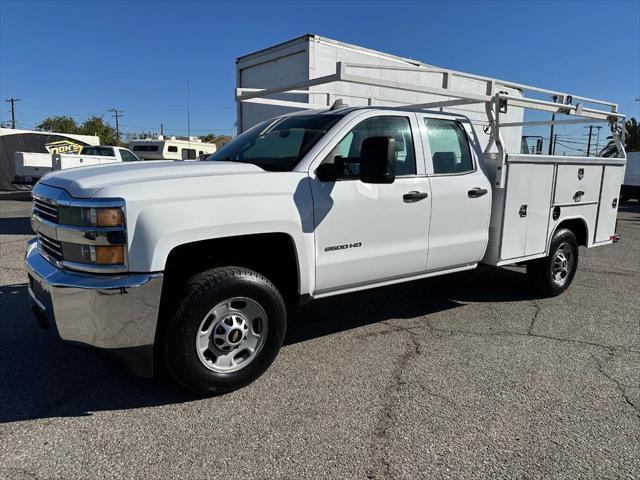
column 465, row 376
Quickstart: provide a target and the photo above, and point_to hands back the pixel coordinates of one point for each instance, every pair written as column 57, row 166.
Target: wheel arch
column 578, row 225
column 272, row 254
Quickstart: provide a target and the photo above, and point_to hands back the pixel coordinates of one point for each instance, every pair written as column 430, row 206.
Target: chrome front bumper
column 113, row 312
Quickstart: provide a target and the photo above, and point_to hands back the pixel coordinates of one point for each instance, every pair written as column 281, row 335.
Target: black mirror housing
column 377, row 160
column 329, row 172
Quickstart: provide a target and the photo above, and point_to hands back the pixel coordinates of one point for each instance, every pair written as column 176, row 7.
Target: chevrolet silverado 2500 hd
column 192, row 264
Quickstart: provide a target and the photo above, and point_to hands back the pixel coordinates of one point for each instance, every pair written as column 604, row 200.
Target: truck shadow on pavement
column 45, row 378
column 405, row 301
column 15, row 226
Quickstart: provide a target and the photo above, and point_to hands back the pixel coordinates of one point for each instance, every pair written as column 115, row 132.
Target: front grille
column 44, row 210
column 50, row 247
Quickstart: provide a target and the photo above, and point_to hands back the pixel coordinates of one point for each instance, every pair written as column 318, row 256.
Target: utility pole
column 552, row 145
column 589, row 142
column 162, row 129
column 117, row 114
column 13, row 110
column 188, row 114
column 552, row 148
column 598, row 139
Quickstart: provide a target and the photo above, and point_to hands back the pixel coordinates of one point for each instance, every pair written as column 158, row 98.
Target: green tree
column 631, row 140
column 58, row 124
column 95, row 125
column 208, row 137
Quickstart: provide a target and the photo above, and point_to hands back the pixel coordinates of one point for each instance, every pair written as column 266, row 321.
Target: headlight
column 88, row 235
column 91, row 217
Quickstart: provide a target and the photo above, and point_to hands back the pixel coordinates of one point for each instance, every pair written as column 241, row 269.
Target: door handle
column 476, row 192
column 414, row 196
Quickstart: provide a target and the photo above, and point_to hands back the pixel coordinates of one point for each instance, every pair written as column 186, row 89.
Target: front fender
column 155, row 228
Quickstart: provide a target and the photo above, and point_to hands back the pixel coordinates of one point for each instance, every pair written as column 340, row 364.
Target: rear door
column 460, row 195
column 367, row 233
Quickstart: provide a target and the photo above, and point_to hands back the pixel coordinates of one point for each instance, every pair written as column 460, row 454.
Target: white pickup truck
column 191, row 265
column 31, row 166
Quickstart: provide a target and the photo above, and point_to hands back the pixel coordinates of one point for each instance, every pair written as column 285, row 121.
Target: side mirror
column 330, row 172
column 377, row 160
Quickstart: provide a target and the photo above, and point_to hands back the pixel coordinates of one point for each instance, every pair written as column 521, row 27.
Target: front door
column 366, row 233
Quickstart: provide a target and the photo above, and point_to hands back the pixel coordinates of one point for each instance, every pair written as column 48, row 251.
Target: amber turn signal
column 109, row 217
column 110, row 255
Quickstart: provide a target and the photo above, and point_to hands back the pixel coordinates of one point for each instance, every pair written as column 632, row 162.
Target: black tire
column 200, row 294
column 541, row 272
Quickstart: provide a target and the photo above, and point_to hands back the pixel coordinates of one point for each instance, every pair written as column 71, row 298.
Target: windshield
column 277, row 145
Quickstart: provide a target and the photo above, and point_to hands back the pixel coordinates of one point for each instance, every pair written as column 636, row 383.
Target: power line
column 13, row 110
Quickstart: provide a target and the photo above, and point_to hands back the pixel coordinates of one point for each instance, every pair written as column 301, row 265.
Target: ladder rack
column 495, row 100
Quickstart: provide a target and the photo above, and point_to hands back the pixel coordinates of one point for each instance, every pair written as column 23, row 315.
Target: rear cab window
column 98, row 151
column 449, row 145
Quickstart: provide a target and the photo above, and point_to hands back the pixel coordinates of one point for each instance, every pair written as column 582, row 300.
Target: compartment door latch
column 523, row 211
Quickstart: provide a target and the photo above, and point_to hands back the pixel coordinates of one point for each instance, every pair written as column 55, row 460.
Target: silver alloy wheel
column 231, row 334
column 562, row 264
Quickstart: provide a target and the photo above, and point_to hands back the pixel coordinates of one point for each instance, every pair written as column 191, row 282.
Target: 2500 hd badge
column 343, row 247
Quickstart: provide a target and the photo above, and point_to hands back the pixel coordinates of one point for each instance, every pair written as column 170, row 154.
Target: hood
column 84, row 182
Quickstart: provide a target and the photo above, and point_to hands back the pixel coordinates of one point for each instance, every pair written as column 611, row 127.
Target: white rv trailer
column 171, row 148
column 531, row 194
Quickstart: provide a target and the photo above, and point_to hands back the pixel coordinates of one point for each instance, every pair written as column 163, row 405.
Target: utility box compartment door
column 609, row 200
column 526, row 215
column 578, row 184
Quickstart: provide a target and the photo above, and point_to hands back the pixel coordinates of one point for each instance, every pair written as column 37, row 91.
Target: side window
column 172, row 149
column 127, row 156
column 398, row 128
column 449, row 146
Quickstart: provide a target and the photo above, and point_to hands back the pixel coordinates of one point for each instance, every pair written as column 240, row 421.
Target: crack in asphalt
column 534, row 335
column 13, row 269
column 19, row 240
column 21, row 471
column 538, row 309
column 381, row 465
column 623, row 273
column 619, row 386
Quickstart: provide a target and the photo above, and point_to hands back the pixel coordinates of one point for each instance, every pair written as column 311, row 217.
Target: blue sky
column 82, row 58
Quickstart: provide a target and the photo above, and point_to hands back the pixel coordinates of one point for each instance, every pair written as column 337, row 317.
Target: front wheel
column 552, row 275
column 225, row 330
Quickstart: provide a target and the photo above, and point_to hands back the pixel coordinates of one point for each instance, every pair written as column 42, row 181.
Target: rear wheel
column 225, row 330
column 552, row 275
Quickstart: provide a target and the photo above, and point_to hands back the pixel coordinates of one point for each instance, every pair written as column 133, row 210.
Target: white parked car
column 193, row 263
column 31, row 166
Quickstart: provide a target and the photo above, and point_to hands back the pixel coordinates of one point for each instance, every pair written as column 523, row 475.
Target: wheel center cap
column 234, row 336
